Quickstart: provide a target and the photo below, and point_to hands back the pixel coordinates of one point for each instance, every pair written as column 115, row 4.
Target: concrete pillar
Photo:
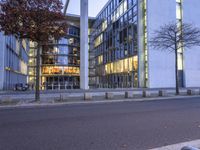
column 141, row 56
column 84, row 72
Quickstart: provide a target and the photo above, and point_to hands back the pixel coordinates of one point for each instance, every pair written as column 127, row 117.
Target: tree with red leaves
column 36, row 20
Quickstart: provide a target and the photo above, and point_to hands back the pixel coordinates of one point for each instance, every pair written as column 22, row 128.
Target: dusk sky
column 94, row 6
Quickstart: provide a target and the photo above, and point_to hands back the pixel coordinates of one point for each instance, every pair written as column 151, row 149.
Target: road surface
column 113, row 126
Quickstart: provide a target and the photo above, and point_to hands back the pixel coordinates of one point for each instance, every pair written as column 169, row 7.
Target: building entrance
column 61, row 82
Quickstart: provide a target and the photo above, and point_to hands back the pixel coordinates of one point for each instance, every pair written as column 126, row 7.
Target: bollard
column 146, row 93
column 190, row 92
column 87, row 96
column 109, row 95
column 128, row 94
column 197, row 91
column 61, row 97
column 162, row 93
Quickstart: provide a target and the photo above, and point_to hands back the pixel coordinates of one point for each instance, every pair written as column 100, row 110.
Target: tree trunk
column 37, row 88
column 176, row 70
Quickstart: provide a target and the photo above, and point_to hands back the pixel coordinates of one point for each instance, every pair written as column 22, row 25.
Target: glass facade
column 60, row 62
column 114, row 42
column 14, row 53
column 32, row 63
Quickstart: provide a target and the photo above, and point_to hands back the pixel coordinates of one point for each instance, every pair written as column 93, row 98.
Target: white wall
column 161, row 62
column 191, row 14
column 2, row 49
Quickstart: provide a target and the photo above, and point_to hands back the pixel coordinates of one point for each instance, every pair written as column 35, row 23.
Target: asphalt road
column 114, row 126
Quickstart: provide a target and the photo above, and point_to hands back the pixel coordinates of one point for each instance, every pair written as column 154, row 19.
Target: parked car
column 21, row 87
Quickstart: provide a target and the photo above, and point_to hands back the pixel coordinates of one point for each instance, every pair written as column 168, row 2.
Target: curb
column 191, row 145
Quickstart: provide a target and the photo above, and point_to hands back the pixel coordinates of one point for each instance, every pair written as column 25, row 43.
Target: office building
column 112, row 50
column 13, row 62
column 60, row 60
column 123, row 55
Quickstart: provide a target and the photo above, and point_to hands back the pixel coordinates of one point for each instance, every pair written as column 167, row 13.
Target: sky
column 94, row 6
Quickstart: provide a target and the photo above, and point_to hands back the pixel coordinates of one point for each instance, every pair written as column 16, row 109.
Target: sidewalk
column 72, row 95
column 52, row 103
column 90, row 90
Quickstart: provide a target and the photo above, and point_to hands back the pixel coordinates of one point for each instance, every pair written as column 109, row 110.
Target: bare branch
column 173, row 37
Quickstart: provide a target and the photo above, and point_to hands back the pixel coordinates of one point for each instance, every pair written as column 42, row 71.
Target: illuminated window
column 24, row 44
column 46, row 70
column 122, row 66
column 56, row 70
column 23, row 67
column 135, row 63
column 130, row 62
column 125, row 5
column 104, row 25
column 121, row 9
column 100, row 59
column 126, row 65
column 71, row 41
column 98, row 40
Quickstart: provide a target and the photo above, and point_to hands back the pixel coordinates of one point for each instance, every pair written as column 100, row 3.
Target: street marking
column 179, row 146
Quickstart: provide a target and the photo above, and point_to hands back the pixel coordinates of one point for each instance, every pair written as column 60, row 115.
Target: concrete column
column 84, row 72
column 141, row 56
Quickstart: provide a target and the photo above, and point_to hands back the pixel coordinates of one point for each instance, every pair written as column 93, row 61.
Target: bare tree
column 174, row 37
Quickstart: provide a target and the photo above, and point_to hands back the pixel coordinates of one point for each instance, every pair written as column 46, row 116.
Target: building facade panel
column 14, row 61
column 2, row 50
column 161, row 62
column 191, row 13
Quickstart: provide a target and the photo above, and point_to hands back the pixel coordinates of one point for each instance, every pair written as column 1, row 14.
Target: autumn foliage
column 37, row 20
